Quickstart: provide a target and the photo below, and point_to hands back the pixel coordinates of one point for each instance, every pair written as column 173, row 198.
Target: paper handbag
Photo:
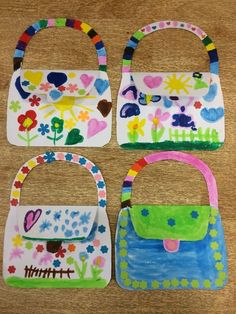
column 170, row 246
column 181, row 110
column 58, row 107
column 57, row 246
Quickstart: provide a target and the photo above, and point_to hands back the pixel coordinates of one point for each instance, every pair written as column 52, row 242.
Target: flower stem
column 28, row 138
column 54, row 139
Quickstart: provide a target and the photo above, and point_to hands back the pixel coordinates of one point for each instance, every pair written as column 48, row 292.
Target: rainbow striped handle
column 169, row 155
column 148, row 29
column 59, row 22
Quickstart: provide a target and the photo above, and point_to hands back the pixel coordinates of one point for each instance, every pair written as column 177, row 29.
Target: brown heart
column 104, row 107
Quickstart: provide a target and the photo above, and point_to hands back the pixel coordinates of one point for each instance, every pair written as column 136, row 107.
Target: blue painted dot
column 171, row 222
column 77, row 233
column 67, row 211
column 68, row 233
column 55, row 228
column 85, row 229
column 145, row 212
column 67, row 221
column 63, row 227
column 48, row 212
column 194, row 214
column 74, row 224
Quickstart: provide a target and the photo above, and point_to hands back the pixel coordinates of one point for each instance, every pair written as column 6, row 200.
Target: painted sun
column 176, row 84
column 65, row 104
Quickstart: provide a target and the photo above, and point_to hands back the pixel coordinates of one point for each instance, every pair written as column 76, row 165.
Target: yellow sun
column 66, row 103
column 177, row 84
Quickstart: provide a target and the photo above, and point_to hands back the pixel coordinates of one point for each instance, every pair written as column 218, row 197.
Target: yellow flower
column 136, row 126
column 17, row 240
column 69, row 124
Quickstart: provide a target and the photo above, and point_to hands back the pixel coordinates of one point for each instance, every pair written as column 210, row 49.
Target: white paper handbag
column 57, row 246
column 59, row 107
column 172, row 110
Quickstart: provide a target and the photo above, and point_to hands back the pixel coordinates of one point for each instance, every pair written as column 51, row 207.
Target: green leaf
column 157, row 134
column 22, row 137
column 133, row 137
column 74, row 137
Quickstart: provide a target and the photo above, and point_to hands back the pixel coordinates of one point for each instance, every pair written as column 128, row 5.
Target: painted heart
column 86, row 79
column 55, row 94
column 31, row 217
column 34, row 77
column 57, row 78
column 154, row 27
column 152, row 81
column 95, row 126
column 104, row 107
column 101, row 85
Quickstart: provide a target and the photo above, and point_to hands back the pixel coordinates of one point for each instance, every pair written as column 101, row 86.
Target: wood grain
column 168, row 182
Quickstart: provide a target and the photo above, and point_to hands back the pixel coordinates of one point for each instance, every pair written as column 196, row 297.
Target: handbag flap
column 56, row 84
column 181, row 84
column 176, row 222
column 56, row 222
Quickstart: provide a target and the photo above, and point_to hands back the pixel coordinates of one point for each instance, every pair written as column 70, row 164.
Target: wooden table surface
column 169, row 182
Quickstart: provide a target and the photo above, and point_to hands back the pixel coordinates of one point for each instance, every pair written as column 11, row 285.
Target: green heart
column 74, row 137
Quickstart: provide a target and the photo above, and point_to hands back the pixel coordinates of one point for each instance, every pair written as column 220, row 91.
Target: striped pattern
column 60, row 22
column 137, row 36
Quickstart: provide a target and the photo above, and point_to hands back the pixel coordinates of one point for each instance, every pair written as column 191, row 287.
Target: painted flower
column 18, row 184
column 84, row 218
column 45, row 225
column 198, row 105
column 157, row 118
column 96, row 243
column 61, row 252
column 83, row 256
column 90, row 249
column 27, row 121
column 136, row 126
column 83, row 116
column 72, row 88
column 104, row 249
column 39, row 248
column 11, row 269
column 34, row 101
column 57, row 216
column 15, row 106
column 45, row 87
column 71, row 247
column 43, row 128
column 99, row 261
column 101, row 229
column 69, row 124
column 56, row 263
column 16, row 253
column 61, row 88
column 47, row 258
column 17, row 241
column 57, row 125
column 49, row 157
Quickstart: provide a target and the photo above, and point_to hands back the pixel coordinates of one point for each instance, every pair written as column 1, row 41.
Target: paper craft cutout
column 55, row 107
column 57, row 246
column 181, row 110
column 170, row 246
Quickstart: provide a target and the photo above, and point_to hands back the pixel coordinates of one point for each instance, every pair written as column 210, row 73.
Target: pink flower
column 47, row 258
column 45, row 87
column 16, row 253
column 96, row 243
column 72, row 88
column 102, row 194
column 99, row 261
column 60, row 156
column 157, row 118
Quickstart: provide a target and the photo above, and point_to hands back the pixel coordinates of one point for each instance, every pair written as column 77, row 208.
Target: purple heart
column 31, row 217
column 86, row 79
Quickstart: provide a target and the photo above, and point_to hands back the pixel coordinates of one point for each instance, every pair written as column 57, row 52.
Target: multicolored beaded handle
column 49, row 157
column 138, row 35
column 60, row 22
column 170, row 155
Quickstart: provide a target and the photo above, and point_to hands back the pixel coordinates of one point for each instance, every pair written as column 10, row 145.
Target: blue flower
column 104, row 249
column 43, row 129
column 84, row 219
column 82, row 161
column 91, row 235
column 25, row 83
column 145, row 212
column 68, row 233
column 56, row 263
column 68, row 157
column 57, row 216
column 49, row 157
column 46, row 225
column 101, row 229
column 171, row 222
column 94, row 169
column 102, row 203
column 194, row 214
column 83, row 256
column 100, row 184
column 90, row 249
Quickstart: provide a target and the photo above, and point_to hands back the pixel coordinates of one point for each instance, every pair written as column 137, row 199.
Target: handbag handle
column 148, row 29
column 169, row 155
column 59, row 22
column 49, row 157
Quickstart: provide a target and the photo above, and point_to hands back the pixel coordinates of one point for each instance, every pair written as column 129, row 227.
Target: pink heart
column 31, row 218
column 152, row 81
column 129, row 95
column 95, row 126
column 86, row 79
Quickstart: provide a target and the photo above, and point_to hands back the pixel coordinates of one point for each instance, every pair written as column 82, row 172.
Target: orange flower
column 83, row 116
column 71, row 247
